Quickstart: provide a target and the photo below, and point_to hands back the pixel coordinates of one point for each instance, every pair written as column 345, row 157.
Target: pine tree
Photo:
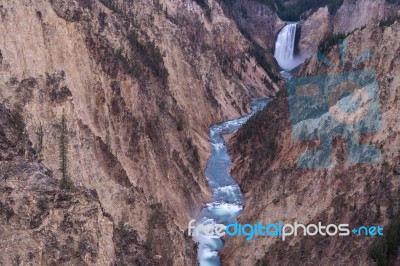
column 66, row 183
column 40, row 132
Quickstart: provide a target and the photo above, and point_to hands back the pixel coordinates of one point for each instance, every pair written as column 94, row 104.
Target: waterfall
column 285, row 47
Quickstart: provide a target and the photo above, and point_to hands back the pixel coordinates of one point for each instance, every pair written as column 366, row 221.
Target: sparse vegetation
column 195, row 246
column 205, row 6
column 125, row 240
column 226, row 63
column 384, row 248
column 229, row 3
column 295, row 10
column 389, row 21
column 137, row 70
column 113, row 5
column 42, row 204
column 326, row 44
column 9, row 213
column 139, row 58
column 259, row 54
column 256, row 51
column 151, row 54
column 267, row 83
column 39, row 132
column 156, row 220
column 151, row 59
column 108, row 140
column 194, row 156
column 332, row 40
column 17, row 122
column 179, row 125
column 66, row 182
column 102, row 19
column 263, row 261
column 5, row 171
column 275, row 201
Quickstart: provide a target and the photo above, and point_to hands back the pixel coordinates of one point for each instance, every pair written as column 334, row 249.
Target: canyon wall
column 351, row 15
column 256, row 20
column 265, row 164
column 139, row 83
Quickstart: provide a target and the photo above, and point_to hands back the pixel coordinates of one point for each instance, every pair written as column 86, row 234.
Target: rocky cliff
column 318, row 21
column 139, row 83
column 351, row 15
column 255, row 19
column 265, row 164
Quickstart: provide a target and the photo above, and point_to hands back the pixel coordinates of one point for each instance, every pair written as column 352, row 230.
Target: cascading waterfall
column 285, row 48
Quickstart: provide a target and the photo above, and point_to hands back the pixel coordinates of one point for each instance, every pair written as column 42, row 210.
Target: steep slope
column 265, row 163
column 259, row 24
column 139, row 83
column 45, row 223
column 319, row 20
column 323, row 24
column 256, row 19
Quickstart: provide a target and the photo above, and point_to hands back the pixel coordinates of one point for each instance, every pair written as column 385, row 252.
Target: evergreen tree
column 66, row 183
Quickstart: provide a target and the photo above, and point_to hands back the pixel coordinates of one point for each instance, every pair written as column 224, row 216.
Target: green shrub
column 151, row 55
column 66, row 183
column 256, row 51
column 226, row 63
column 112, row 5
column 42, row 204
column 326, row 44
column 388, row 22
column 39, row 132
column 332, row 40
column 205, row 6
column 9, row 213
column 155, row 220
column 17, row 120
column 385, row 248
column 195, row 157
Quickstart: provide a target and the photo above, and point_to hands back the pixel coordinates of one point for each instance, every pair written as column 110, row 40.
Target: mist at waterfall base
column 285, row 48
column 227, row 199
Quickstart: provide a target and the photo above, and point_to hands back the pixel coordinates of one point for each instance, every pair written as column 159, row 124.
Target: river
column 227, row 199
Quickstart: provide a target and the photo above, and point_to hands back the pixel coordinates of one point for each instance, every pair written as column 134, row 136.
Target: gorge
column 266, row 155
column 227, row 199
column 123, row 120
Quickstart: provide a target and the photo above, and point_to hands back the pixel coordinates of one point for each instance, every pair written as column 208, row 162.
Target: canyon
column 266, row 165
column 139, row 84
column 122, row 94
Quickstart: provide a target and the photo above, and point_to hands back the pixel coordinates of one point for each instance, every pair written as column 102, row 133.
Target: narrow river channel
column 227, row 199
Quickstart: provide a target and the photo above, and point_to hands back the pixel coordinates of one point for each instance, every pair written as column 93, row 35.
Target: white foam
column 226, row 211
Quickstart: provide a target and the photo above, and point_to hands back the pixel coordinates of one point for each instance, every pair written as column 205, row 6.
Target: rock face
column 139, row 83
column 257, row 20
column 39, row 221
column 314, row 29
column 355, row 14
column 350, row 16
column 265, row 164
